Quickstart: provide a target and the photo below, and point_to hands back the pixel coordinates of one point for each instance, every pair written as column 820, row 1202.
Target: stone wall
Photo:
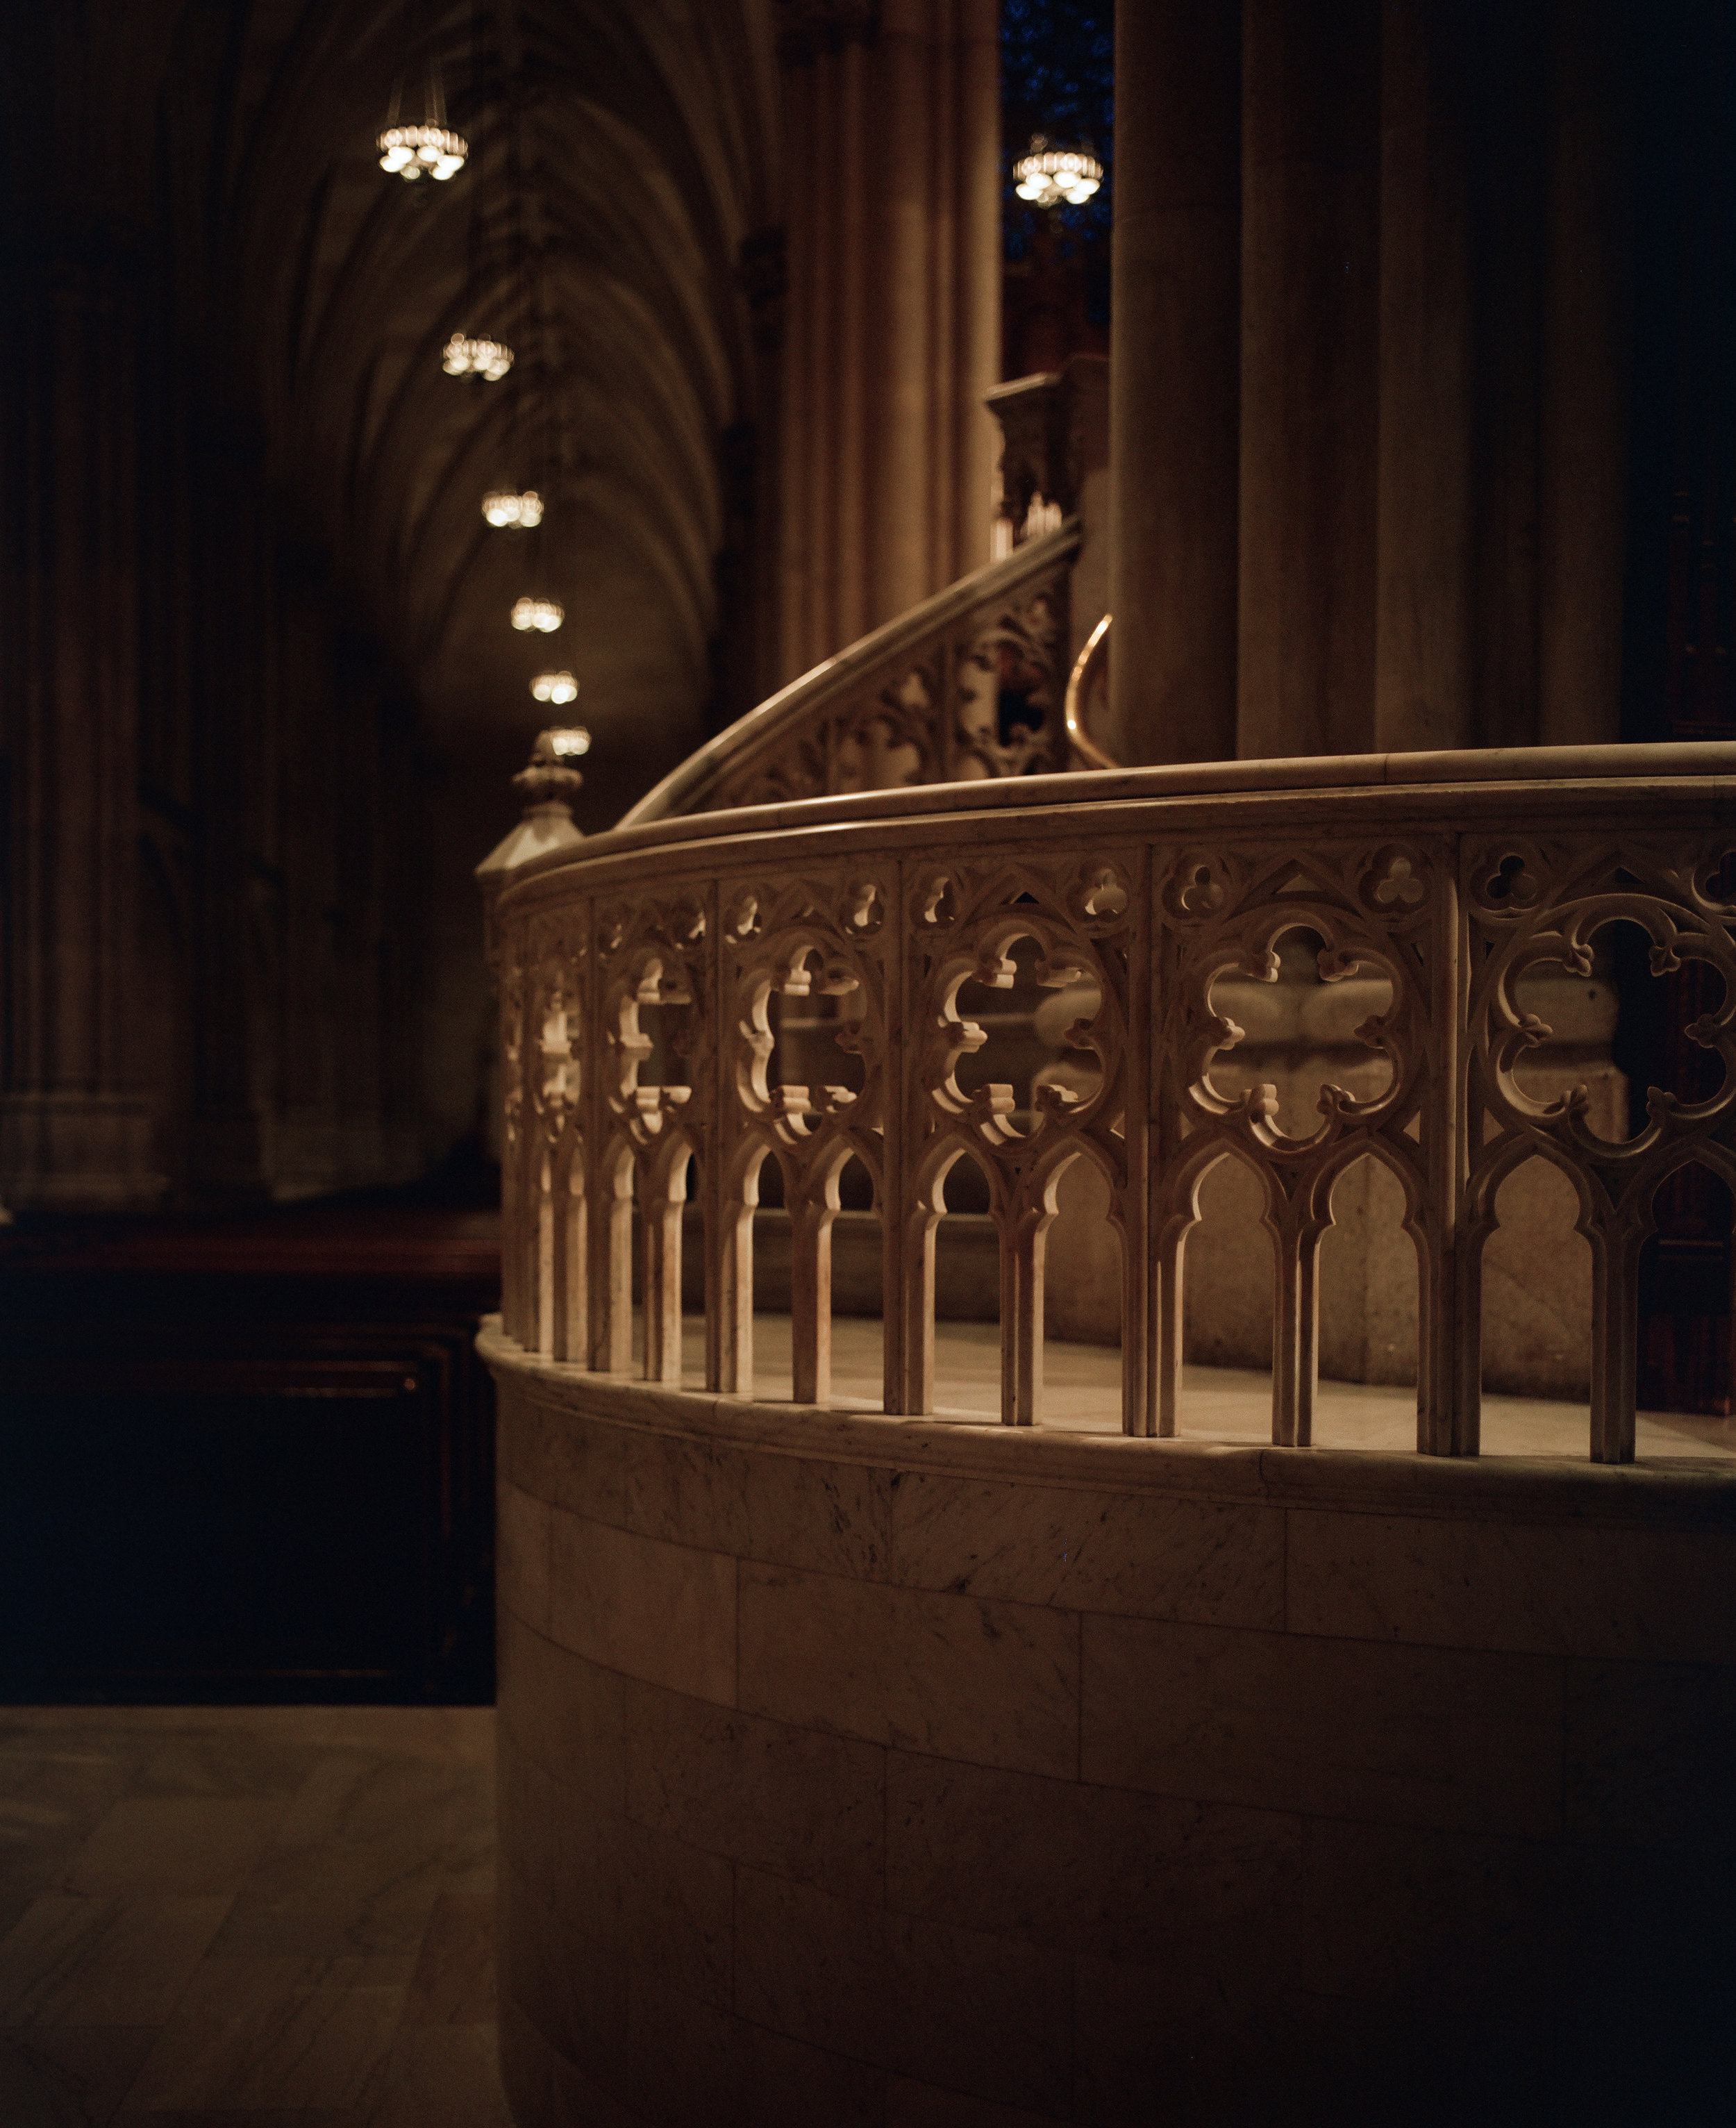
column 857, row 1770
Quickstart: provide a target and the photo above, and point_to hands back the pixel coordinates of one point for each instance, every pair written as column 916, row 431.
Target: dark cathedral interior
column 526, row 1600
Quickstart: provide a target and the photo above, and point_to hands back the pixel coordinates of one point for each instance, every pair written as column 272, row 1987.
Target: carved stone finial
column 547, row 780
column 548, row 785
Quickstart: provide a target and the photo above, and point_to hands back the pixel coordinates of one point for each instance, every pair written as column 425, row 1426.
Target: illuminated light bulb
column 541, row 613
column 422, row 151
column 556, row 687
column 1047, row 176
column 490, row 359
column 502, row 505
column 569, row 741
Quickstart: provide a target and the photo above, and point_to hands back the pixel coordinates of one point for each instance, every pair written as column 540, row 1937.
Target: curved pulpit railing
column 646, row 976
column 969, row 685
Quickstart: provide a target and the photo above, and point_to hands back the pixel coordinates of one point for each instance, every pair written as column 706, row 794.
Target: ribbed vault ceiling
column 645, row 134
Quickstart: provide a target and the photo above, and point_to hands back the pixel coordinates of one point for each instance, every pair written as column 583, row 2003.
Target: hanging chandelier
column 418, row 151
column 541, row 613
column 1048, row 176
column 559, row 687
column 490, row 359
column 501, row 505
column 431, row 149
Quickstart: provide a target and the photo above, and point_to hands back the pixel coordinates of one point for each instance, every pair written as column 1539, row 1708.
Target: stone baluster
column 810, row 1299
column 729, row 1359
column 1448, row 1311
column 663, row 1195
column 1167, row 1320
column 906, row 1300
column 1024, row 1238
column 570, row 1327
column 514, row 1126
column 611, row 1268
column 542, row 1265
column 1616, row 1247
column 913, row 1267
column 1295, row 1240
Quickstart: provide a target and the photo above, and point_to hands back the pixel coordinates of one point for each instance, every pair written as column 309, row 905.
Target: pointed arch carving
column 813, row 992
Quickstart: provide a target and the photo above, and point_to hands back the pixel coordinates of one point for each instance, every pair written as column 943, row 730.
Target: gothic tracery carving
column 978, row 694
column 1034, row 998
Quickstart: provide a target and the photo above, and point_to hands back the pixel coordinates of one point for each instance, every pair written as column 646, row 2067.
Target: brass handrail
column 1089, row 663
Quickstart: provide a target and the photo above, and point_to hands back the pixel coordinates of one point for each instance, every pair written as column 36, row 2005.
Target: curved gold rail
column 1085, row 675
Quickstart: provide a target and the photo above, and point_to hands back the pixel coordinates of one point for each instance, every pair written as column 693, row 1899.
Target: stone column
column 225, row 1151
column 74, row 1133
column 1175, row 356
column 1587, row 361
column 1423, row 695
column 894, row 310
column 1309, row 372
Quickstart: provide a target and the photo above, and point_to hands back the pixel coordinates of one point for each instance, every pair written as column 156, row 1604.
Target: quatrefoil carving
column 663, row 991
column 1510, row 1030
column 559, row 1054
column 804, row 970
column 1299, row 1001
column 1058, row 1087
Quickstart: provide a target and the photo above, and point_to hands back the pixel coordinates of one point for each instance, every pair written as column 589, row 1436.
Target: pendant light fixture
column 481, row 355
column 558, row 687
column 535, row 611
column 1052, row 177
column 514, row 508
column 508, row 507
column 430, row 150
column 490, row 359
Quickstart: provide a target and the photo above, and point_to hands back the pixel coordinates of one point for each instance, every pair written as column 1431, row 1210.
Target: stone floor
column 1218, row 1403
column 217, row 1917
column 267, row 1916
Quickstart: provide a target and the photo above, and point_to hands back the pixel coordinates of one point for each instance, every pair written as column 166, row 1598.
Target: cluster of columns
column 1369, row 377
column 893, row 326
column 204, row 989
column 75, row 1132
